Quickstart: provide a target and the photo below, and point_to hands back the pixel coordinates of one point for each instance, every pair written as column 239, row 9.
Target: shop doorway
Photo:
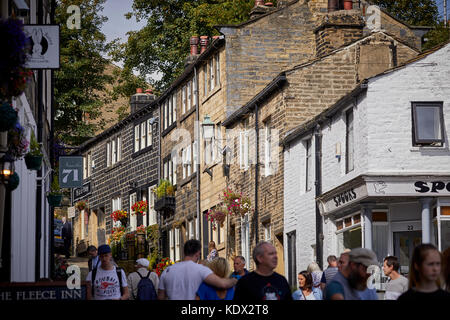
column 404, row 244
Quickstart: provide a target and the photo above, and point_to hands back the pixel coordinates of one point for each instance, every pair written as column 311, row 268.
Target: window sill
column 145, row 150
column 114, row 166
column 167, row 130
column 431, row 148
column 187, row 180
column 188, row 113
column 211, row 93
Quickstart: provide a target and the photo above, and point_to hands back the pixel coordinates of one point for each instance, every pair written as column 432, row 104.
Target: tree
column 80, row 81
column 163, row 44
column 418, row 13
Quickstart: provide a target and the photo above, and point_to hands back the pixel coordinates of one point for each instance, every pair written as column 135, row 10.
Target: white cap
column 143, row 262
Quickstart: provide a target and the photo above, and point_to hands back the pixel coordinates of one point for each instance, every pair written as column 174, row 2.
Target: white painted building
column 385, row 167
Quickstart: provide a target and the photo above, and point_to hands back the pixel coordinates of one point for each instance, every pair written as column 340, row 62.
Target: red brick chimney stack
column 194, row 45
column 204, row 41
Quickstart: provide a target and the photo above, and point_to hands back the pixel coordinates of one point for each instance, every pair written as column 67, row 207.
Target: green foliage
column 165, row 188
column 81, row 79
column 54, row 187
column 35, row 147
column 413, row 12
column 163, row 44
column 153, row 238
column 437, row 36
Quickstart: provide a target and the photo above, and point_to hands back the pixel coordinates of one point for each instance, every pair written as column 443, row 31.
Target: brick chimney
column 261, row 7
column 204, row 41
column 194, row 51
column 139, row 100
column 337, row 29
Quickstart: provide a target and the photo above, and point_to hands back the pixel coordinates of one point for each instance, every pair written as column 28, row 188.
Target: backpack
column 145, row 288
column 119, row 275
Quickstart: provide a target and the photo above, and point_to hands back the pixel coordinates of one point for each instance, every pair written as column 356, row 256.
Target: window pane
column 217, row 70
column 119, row 148
column 143, row 135
column 349, row 141
column 136, row 138
column 183, row 96
column 149, row 133
column 428, row 123
column 189, row 94
column 445, row 234
column 174, row 107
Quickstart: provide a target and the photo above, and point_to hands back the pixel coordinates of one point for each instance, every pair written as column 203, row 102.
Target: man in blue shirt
column 350, row 283
column 239, row 268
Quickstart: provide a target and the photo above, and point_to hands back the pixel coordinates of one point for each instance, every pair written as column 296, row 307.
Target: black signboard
column 56, row 290
column 79, row 193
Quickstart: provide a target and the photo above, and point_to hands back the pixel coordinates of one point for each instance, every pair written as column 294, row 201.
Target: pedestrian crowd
column 345, row 278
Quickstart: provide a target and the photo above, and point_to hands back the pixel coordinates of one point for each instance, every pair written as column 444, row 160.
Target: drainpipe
column 197, row 136
column 256, row 220
column 39, row 173
column 318, row 184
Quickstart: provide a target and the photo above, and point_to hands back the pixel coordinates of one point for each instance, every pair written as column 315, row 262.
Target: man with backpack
column 143, row 282
column 106, row 282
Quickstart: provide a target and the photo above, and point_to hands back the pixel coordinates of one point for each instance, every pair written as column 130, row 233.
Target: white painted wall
column 383, row 145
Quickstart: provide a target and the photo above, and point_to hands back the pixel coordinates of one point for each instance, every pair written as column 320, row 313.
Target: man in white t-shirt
column 106, row 284
column 181, row 280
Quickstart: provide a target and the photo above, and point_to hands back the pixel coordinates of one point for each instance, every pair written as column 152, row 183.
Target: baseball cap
column 364, row 256
column 104, row 249
column 143, row 262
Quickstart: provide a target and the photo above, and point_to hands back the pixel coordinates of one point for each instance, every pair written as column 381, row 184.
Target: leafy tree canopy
column 163, row 44
column 413, row 12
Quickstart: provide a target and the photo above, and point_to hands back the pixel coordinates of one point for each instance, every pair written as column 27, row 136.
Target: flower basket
column 81, row 205
column 217, row 215
column 54, row 200
column 13, row 182
column 120, row 215
column 8, row 118
column 162, row 265
column 141, row 229
column 33, row 162
column 140, row 207
column 236, row 203
column 165, row 204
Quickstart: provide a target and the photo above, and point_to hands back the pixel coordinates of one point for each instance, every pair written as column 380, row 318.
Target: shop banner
column 411, row 187
column 57, row 290
column 343, row 199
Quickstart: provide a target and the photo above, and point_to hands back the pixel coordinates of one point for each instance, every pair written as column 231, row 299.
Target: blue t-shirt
column 207, row 292
column 368, row 294
column 237, row 276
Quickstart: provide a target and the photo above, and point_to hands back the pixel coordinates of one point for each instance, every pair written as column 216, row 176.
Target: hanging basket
column 54, row 200
column 33, row 162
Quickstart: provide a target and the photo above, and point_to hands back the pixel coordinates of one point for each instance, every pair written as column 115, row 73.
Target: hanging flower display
column 17, row 142
column 120, row 215
column 217, row 215
column 140, row 207
column 160, row 267
column 81, row 205
column 8, row 117
column 141, row 229
column 116, row 234
column 13, row 75
column 236, row 203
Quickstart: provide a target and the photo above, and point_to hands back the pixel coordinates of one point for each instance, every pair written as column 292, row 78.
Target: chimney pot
column 204, row 40
column 348, row 4
column 194, row 45
column 268, row 4
column 333, row 5
column 139, row 90
column 259, row 3
column 149, row 91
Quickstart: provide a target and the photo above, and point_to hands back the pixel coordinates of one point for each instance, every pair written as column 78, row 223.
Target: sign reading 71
column 70, row 172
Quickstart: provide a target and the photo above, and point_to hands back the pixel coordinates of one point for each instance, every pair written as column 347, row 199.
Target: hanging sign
column 44, row 46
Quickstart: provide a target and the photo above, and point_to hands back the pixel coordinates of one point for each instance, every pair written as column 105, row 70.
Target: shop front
column 389, row 214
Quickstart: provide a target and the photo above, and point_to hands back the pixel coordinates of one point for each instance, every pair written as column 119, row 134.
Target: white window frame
column 108, row 154
column 244, row 150
column 143, row 135
column 349, row 139
column 189, row 95
column 183, row 98
column 133, row 217
column 114, row 152
column 177, row 244
column 308, row 165
column 174, row 108
column 217, row 70
column 267, row 148
column 171, row 245
column 211, row 74
column 194, row 156
column 137, row 138
column 267, row 231
column 245, row 240
column 152, row 219
column 116, row 204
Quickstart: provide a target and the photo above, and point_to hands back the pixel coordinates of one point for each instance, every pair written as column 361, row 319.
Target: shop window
column 348, row 222
column 428, row 124
column 357, row 219
column 445, row 234
column 350, row 239
column 445, row 211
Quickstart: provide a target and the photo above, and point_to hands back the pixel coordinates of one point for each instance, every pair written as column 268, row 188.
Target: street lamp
column 6, row 168
column 208, row 128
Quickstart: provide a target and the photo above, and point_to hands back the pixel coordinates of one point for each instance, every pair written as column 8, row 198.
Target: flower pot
column 165, row 204
column 348, row 4
column 33, row 162
column 54, row 200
